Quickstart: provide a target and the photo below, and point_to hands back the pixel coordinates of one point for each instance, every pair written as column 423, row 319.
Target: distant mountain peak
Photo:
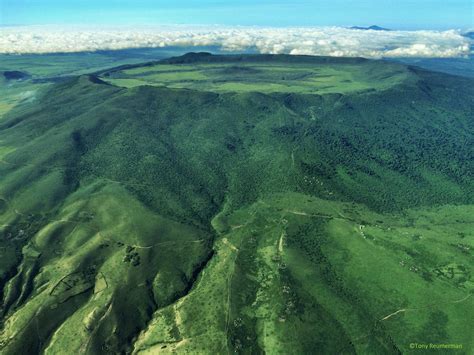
column 373, row 28
column 469, row 34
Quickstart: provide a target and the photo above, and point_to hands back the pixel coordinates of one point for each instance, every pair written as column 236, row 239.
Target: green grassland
column 202, row 215
column 61, row 64
column 288, row 265
column 265, row 77
column 13, row 94
column 43, row 69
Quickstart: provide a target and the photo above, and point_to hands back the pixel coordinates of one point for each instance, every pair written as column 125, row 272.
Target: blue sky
column 399, row 14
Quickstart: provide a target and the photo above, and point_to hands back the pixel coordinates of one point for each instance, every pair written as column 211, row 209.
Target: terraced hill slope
column 213, row 204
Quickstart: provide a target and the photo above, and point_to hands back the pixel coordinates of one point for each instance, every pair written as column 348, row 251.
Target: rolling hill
column 250, row 204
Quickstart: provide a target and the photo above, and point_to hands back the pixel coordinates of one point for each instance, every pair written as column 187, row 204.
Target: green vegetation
column 16, row 91
column 223, row 209
column 264, row 76
column 21, row 76
column 49, row 65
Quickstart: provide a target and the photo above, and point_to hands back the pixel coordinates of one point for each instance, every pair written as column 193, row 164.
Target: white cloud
column 331, row 41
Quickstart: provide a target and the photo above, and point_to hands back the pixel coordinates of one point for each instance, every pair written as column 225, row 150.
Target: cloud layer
column 331, row 41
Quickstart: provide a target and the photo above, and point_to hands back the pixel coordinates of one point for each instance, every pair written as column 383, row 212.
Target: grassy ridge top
column 263, row 73
column 113, row 200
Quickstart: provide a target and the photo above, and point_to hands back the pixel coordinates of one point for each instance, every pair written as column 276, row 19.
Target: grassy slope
column 111, row 199
column 43, row 69
column 255, row 75
column 293, row 274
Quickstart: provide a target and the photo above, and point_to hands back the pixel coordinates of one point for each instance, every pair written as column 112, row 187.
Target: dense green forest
column 249, row 204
